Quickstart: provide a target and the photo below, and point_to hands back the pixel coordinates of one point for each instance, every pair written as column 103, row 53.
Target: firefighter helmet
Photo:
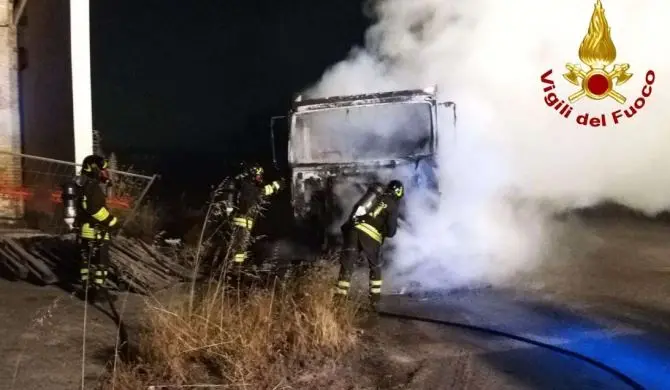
column 396, row 188
column 256, row 172
column 95, row 167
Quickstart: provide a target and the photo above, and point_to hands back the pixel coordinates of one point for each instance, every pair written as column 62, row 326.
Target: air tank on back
column 364, row 205
column 69, row 198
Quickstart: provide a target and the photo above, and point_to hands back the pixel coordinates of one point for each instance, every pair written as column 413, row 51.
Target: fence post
column 138, row 202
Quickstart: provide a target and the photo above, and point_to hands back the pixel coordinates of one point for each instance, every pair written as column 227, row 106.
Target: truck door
column 446, row 122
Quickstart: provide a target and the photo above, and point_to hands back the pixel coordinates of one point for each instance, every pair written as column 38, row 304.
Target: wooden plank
column 36, row 266
column 169, row 263
column 140, row 266
column 12, row 263
column 135, row 254
column 136, row 270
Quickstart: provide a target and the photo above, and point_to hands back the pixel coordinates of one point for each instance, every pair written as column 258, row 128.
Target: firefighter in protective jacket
column 375, row 217
column 245, row 193
column 95, row 222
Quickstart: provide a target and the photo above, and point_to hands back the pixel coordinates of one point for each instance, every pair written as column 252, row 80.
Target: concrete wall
column 46, row 83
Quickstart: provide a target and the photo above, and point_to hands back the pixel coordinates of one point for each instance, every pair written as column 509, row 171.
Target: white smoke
column 488, row 57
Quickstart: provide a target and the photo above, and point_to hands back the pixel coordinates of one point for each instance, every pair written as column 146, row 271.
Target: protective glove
column 113, row 230
column 277, row 185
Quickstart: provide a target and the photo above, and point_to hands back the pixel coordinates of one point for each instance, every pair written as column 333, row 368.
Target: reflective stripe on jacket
column 370, row 230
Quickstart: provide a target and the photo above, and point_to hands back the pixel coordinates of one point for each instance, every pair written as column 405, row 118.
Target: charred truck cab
column 338, row 146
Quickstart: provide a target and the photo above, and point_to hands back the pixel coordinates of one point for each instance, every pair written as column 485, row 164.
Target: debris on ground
column 49, row 259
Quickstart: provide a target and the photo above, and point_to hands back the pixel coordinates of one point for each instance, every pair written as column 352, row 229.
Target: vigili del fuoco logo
column 597, row 78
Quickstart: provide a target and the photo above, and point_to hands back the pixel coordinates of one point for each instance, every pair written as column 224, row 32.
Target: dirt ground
column 605, row 295
column 42, row 337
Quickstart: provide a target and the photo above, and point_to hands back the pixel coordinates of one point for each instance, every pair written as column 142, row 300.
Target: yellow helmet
column 95, row 167
column 396, row 188
column 256, row 171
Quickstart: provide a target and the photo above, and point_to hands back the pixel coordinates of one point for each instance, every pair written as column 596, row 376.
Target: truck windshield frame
column 357, row 133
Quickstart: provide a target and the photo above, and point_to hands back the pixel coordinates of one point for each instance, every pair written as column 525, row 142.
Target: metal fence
column 30, row 190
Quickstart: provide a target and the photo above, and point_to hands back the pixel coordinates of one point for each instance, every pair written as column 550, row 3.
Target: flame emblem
column 597, row 52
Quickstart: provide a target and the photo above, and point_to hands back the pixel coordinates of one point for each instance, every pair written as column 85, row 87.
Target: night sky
column 194, row 80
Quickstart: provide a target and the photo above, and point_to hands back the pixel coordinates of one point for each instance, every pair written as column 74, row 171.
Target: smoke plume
column 513, row 155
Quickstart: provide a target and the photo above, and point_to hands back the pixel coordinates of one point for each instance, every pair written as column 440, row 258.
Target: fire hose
column 494, row 332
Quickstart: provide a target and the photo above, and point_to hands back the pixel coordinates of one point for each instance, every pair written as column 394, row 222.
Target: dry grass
column 144, row 224
column 256, row 338
column 259, row 336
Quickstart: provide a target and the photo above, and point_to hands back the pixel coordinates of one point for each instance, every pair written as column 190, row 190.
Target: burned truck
column 340, row 145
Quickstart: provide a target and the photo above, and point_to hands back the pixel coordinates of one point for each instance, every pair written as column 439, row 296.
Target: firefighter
column 245, row 193
column 95, row 223
column 374, row 218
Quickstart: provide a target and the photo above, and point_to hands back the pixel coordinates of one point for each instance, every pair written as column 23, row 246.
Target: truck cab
column 339, row 145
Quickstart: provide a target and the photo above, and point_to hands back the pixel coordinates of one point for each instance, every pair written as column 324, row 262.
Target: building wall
column 10, row 129
column 36, row 96
column 10, row 138
column 46, row 82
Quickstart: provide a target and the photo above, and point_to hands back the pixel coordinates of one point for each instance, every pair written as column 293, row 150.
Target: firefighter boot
column 234, row 273
column 96, row 284
column 373, row 303
column 83, row 275
column 94, row 295
column 339, row 300
column 89, row 292
column 375, row 291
